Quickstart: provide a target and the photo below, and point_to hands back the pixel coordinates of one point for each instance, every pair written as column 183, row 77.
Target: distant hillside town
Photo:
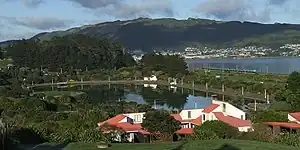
column 245, row 52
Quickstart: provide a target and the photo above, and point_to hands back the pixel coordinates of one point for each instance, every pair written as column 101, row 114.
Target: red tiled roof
column 177, row 117
column 284, row 124
column 144, row 132
column 128, row 126
column 296, row 115
column 113, row 120
column 185, row 131
column 125, row 126
column 210, row 108
column 197, row 121
column 232, row 121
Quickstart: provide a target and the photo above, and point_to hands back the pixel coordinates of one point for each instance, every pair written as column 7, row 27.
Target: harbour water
column 281, row 65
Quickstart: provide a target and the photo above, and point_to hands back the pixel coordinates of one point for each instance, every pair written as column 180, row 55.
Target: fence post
column 242, row 91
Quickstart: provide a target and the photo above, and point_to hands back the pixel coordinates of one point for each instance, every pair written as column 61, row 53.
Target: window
column 189, row 114
column 204, row 117
column 137, row 118
column 224, row 107
column 242, row 117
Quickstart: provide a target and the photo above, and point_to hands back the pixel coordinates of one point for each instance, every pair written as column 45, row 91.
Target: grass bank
column 193, row 145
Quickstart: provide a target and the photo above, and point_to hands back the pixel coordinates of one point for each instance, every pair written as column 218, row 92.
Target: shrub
column 261, row 133
column 288, row 139
column 221, row 129
column 202, row 134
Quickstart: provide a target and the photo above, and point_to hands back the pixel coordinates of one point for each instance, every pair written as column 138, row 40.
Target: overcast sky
column 25, row 18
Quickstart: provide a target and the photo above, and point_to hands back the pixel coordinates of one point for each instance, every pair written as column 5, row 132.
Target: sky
column 25, row 18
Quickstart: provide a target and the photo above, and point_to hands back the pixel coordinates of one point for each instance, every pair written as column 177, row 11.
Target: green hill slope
column 148, row 34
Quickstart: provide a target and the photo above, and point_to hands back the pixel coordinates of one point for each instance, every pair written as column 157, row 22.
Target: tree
column 293, row 81
column 294, row 100
column 268, row 116
column 161, row 122
column 282, row 95
column 221, row 129
column 173, row 65
column 70, row 53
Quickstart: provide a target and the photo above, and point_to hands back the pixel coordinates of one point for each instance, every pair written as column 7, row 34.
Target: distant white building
column 152, row 78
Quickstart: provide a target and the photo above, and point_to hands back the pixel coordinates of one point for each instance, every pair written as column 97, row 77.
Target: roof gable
column 232, row 121
column 210, row 108
column 113, row 121
column 295, row 115
column 177, row 117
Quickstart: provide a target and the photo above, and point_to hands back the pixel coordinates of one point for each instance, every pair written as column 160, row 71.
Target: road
column 196, row 87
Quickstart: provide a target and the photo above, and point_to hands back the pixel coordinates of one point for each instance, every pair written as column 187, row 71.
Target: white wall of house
column 245, row 129
column 137, row 117
column 124, row 120
column 229, row 109
column 292, row 119
column 130, row 137
column 208, row 117
column 190, row 113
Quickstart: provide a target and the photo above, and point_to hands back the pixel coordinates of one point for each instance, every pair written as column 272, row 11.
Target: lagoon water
column 162, row 97
column 281, row 65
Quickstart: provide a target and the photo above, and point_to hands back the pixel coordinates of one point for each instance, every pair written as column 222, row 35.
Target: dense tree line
column 69, row 52
column 291, row 93
column 173, row 65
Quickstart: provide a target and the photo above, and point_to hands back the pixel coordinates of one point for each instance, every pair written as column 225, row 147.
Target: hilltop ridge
column 168, row 33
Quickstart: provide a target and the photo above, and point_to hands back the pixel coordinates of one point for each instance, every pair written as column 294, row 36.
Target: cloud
column 123, row 9
column 40, row 23
column 24, row 35
column 28, row 3
column 232, row 10
column 32, row 3
column 277, row 2
column 140, row 9
column 94, row 4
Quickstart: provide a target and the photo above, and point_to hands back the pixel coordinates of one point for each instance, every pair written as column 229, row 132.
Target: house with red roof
column 218, row 110
column 292, row 126
column 189, row 118
column 130, row 124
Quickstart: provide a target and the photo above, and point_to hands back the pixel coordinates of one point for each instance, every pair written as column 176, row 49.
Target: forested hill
column 69, row 52
column 148, row 34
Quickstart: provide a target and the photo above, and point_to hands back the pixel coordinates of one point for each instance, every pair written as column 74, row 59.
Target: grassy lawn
column 235, row 145
column 5, row 62
column 193, row 145
column 141, row 146
column 280, row 106
column 57, row 93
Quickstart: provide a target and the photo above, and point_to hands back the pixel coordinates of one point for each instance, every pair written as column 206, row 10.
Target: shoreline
column 243, row 58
